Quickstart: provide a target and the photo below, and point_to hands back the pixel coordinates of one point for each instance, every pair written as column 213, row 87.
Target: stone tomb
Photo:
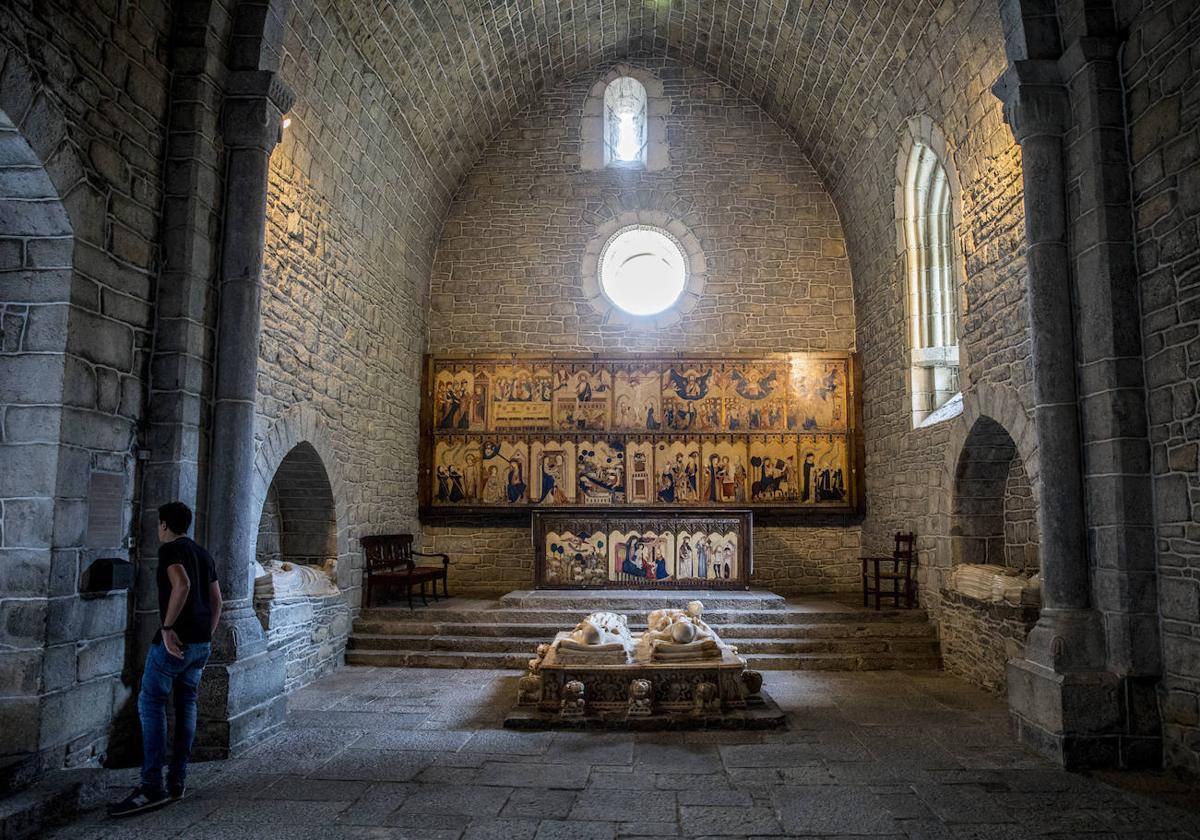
column 677, row 675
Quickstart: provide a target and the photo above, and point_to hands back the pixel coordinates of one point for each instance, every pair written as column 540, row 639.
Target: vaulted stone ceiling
column 825, row 70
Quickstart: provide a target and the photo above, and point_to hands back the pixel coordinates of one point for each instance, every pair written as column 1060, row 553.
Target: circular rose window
column 643, row 270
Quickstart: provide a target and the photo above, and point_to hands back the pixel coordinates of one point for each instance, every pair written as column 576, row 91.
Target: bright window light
column 642, row 270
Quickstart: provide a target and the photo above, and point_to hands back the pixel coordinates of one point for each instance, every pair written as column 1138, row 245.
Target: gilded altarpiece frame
column 775, row 433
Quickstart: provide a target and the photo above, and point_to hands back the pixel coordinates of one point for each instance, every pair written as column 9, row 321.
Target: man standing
column 189, row 606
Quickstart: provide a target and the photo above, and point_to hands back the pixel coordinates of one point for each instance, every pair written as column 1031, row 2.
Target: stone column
column 1059, row 693
column 242, row 692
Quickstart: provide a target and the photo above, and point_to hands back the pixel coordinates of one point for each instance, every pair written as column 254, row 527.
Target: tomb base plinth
column 714, row 693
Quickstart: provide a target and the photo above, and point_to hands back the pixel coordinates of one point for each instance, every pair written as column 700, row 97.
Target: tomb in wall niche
column 677, row 674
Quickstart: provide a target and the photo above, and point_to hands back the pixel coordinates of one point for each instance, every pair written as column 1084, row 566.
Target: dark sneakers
column 142, row 799
column 177, row 791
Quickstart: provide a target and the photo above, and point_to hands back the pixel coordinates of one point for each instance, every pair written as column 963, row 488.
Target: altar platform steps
column 771, row 632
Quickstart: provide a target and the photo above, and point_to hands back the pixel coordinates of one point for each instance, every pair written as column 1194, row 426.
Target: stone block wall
column 1021, row 536
column 979, row 638
column 85, row 86
column 352, row 215
column 310, row 631
column 909, row 480
column 1162, row 80
column 508, row 275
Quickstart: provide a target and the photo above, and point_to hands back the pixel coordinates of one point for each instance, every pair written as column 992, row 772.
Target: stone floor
column 385, row 753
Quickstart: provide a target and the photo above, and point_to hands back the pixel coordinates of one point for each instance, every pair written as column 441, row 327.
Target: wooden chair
column 389, row 562
column 902, row 561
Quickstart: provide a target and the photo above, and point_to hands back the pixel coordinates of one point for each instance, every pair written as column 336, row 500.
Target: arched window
column 624, row 122
column 932, row 292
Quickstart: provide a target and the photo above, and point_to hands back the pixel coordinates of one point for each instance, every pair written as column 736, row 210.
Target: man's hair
column 177, row 516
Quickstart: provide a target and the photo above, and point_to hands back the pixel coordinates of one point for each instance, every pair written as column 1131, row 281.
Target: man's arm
column 214, row 603
column 180, row 586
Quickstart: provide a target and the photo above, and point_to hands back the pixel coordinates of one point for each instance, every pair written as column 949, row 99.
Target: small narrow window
column 625, row 122
column 932, row 296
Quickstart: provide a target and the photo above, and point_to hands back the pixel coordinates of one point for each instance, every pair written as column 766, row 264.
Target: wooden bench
column 389, row 562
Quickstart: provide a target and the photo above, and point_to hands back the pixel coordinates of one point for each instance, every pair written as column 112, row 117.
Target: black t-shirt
column 194, row 623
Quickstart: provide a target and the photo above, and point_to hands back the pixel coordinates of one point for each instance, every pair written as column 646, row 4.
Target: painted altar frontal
column 621, row 550
column 641, row 431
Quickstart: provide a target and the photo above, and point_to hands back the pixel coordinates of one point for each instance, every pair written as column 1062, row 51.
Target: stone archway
column 993, row 515
column 36, row 245
column 298, row 594
column 298, row 522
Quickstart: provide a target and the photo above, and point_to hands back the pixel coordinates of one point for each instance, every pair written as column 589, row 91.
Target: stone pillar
column 1061, row 697
column 242, row 692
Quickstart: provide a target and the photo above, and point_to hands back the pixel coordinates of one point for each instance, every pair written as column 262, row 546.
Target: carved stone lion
column 529, row 690
column 640, row 701
column 706, row 700
column 752, row 682
column 573, row 703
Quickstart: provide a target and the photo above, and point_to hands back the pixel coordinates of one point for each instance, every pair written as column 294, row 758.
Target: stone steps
column 770, row 632
column 745, row 646
column 763, row 662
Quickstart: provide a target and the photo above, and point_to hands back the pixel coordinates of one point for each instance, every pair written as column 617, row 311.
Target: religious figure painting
column 459, row 400
column 691, row 398
column 724, row 471
column 576, row 557
column 677, row 471
column 522, row 398
column 773, row 476
column 456, row 471
column 504, row 472
column 640, row 484
column 637, row 556
column 600, row 472
column 722, row 557
column 818, row 395
column 637, row 398
column 824, row 469
column 755, row 397
column 553, row 472
column 582, row 397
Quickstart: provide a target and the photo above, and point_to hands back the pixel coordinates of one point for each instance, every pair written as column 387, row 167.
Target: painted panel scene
column 819, row 395
column 725, row 471
column 641, row 556
column 582, row 396
column 553, row 472
column 457, row 471
column 504, row 472
column 755, row 398
column 824, row 467
column 773, row 476
column 581, row 550
column 610, row 432
column 576, row 559
column 600, row 472
column 522, row 397
column 703, row 556
column 460, row 400
column 637, row 398
column 677, row 471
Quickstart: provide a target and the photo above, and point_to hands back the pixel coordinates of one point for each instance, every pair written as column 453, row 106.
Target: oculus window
column 624, row 122
column 932, row 292
column 643, row 270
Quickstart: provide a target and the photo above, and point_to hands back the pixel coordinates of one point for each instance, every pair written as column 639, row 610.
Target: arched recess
column 299, row 523
column 36, row 245
column 297, row 449
column 992, row 514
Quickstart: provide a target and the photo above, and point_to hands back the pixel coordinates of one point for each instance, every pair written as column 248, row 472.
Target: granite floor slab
column 901, row 755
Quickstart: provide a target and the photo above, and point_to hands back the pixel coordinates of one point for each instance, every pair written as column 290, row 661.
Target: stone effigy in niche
column 676, row 674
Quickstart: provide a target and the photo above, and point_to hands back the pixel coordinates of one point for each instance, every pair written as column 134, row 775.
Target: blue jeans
column 163, row 674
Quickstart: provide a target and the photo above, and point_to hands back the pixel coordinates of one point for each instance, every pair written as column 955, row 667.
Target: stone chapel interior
column 604, row 300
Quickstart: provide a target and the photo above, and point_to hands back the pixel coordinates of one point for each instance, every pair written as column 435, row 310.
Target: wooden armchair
column 875, row 573
column 389, row 562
